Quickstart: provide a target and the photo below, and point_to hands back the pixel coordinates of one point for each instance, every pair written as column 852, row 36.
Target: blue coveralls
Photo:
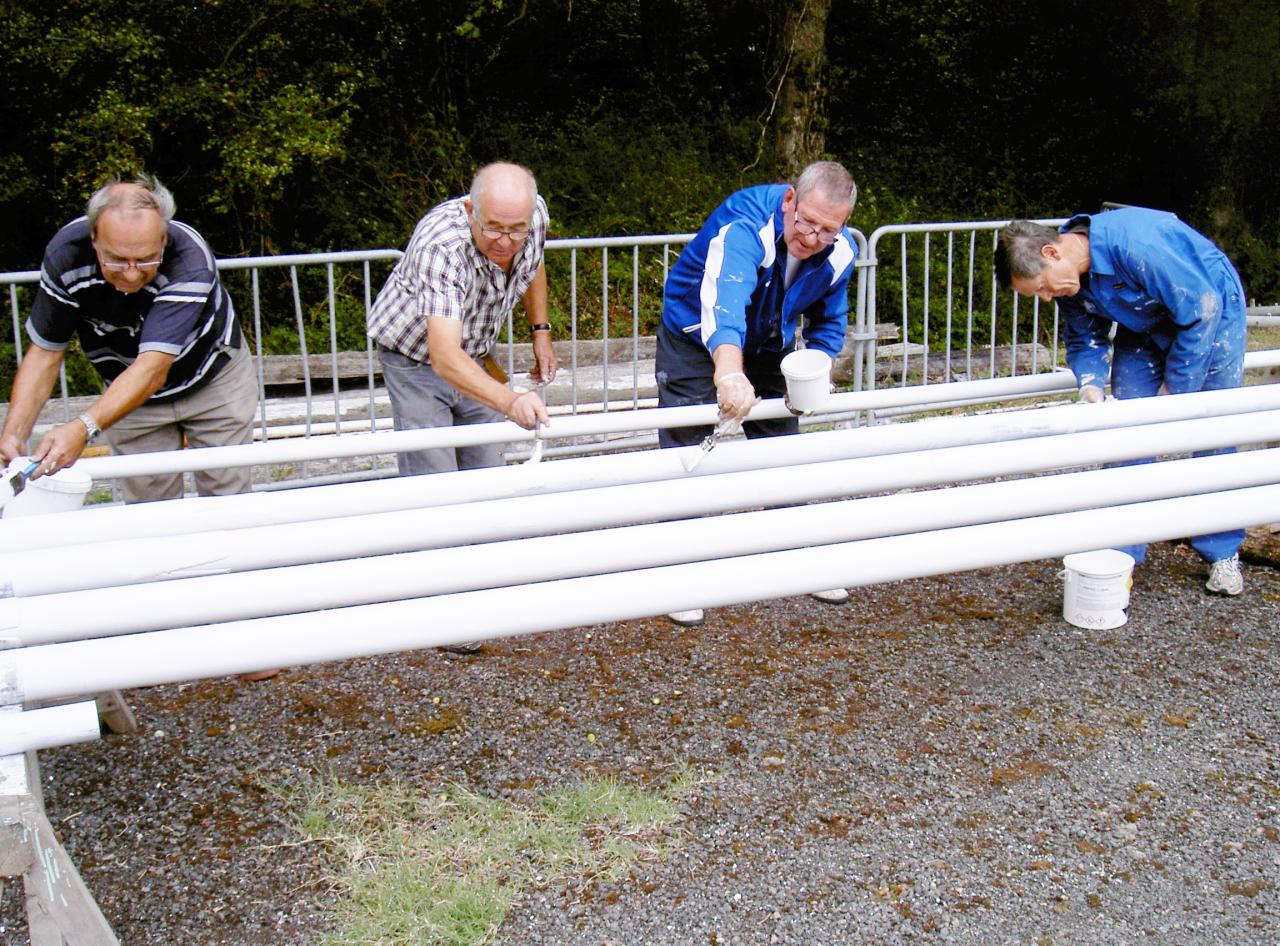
column 1179, row 308
column 728, row 287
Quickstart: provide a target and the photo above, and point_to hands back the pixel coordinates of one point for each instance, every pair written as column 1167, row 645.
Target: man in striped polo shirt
column 469, row 261
column 141, row 291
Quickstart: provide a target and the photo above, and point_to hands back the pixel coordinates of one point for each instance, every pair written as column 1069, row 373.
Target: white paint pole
column 351, row 499
column 133, row 660
column 104, row 564
column 365, row 444
column 28, row 730
column 132, row 609
column 316, row 448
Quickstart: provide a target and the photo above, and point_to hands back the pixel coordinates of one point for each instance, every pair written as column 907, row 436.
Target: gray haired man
column 141, row 291
column 436, row 320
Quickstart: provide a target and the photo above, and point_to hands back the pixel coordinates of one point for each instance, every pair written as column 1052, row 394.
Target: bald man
column 438, row 316
column 141, row 291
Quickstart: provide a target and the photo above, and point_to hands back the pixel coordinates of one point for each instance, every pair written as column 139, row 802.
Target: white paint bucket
column 58, row 492
column 808, row 375
column 1096, row 589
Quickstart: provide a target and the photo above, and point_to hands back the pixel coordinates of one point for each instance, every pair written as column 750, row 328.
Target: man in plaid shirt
column 469, row 261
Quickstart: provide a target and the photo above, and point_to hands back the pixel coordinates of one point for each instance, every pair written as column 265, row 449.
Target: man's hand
column 544, row 358
column 11, row 447
column 527, row 410
column 1091, row 394
column 60, row 448
column 735, row 395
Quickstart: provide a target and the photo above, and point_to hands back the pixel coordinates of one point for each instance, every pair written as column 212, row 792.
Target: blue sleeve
column 729, row 279
column 1175, row 277
column 827, row 320
column 1088, row 339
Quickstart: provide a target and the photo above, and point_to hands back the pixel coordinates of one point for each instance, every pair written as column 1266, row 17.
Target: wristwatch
column 91, row 428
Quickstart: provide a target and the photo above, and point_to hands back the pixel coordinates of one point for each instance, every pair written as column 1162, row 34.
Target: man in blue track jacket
column 766, row 258
column 770, row 263
column 1178, row 311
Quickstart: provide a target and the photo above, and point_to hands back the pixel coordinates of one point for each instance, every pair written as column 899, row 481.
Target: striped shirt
column 183, row 311
column 443, row 274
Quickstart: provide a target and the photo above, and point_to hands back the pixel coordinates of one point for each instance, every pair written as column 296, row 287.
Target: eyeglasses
column 141, row 266
column 805, row 228
column 515, row 234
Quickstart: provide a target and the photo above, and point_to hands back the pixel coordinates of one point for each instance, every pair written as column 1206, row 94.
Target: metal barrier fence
column 924, row 309
column 951, row 328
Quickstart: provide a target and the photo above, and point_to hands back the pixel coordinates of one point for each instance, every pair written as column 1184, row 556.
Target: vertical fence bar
column 1013, row 341
column 256, row 294
column 635, row 327
column 300, row 324
column 368, row 349
column 995, row 293
column 333, row 360
column 17, row 323
column 1035, row 336
column 924, row 334
column 1054, row 363
column 968, row 332
column 906, row 313
column 946, row 371
column 333, row 350
column 604, row 328
column 573, row 333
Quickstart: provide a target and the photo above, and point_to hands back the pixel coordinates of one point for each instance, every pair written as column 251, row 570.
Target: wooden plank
column 353, row 365
column 116, row 713
column 59, row 905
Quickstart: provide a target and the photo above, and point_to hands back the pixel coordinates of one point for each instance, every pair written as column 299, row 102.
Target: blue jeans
column 684, row 370
column 421, row 399
column 1137, row 370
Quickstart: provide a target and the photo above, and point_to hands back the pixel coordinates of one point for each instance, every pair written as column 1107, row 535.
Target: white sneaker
column 691, row 618
column 834, row 596
column 1225, row 577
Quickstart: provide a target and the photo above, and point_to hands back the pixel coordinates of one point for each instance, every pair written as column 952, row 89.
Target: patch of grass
column 445, row 869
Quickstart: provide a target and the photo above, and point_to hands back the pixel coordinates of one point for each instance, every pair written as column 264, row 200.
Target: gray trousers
column 219, row 414
column 422, row 399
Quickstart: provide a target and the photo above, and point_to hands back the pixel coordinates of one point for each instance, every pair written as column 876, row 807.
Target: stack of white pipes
column 167, row 592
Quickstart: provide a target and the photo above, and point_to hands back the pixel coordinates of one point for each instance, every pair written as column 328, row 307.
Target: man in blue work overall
column 767, row 258
column 1178, row 308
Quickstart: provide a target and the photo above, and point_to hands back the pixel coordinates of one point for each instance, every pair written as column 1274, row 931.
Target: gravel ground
column 940, row 761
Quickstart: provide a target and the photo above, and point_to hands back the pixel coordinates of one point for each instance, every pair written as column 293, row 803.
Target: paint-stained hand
column 1091, row 394
column 735, row 395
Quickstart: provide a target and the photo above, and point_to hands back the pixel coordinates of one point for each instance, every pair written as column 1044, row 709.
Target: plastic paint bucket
column 60, row 492
column 808, row 375
column 1096, row 589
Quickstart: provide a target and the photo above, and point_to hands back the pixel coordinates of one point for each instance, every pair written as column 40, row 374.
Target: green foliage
column 294, row 125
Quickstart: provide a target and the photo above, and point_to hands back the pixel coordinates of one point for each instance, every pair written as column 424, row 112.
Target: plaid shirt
column 443, row 274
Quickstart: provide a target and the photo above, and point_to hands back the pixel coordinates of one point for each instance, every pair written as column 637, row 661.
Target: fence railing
column 924, row 308
column 952, row 321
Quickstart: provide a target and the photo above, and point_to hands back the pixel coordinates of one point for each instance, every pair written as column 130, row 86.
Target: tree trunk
column 801, row 110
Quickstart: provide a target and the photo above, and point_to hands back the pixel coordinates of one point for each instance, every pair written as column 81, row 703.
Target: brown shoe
column 260, row 675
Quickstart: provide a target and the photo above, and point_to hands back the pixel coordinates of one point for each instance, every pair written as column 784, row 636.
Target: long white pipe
column 172, row 656
column 29, row 730
column 132, row 609
column 350, row 499
column 131, row 561
column 364, row 444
